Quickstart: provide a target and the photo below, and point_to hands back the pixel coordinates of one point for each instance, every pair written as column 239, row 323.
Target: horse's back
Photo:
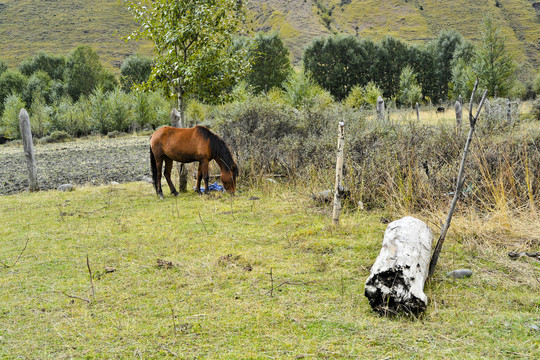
column 180, row 144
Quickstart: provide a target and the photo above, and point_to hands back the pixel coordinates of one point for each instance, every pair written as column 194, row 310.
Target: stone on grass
column 66, row 187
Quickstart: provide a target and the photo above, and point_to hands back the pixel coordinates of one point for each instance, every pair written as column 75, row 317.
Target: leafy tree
column 39, row 84
column 135, row 70
column 40, row 118
column 270, row 64
column 121, row 112
column 100, row 116
column 53, row 65
column 409, row 90
column 338, row 63
column 83, row 72
column 193, row 45
column 444, row 49
column 422, row 61
column 463, row 77
column 493, row 65
column 391, row 57
column 11, row 82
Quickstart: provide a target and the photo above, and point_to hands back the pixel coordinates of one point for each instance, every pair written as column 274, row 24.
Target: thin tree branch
column 6, row 266
column 91, row 280
column 460, row 180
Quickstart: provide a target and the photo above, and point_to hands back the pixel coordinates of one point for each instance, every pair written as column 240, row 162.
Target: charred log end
column 389, row 293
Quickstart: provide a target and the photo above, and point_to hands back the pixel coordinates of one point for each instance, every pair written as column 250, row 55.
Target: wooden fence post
column 459, row 116
column 508, row 111
column 380, row 108
column 176, row 121
column 339, row 189
column 417, row 112
column 26, row 132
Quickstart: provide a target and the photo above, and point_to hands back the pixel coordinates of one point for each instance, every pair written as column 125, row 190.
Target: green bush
column 55, row 137
column 9, row 122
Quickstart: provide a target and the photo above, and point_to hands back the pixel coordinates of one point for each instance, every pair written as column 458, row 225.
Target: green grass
column 215, row 301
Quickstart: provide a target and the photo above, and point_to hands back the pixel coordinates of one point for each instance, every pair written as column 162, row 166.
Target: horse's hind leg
column 168, row 169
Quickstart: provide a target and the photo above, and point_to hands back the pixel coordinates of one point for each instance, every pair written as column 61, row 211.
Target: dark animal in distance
column 440, row 109
column 198, row 143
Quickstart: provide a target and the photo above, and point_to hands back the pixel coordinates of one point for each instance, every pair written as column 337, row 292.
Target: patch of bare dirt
column 79, row 162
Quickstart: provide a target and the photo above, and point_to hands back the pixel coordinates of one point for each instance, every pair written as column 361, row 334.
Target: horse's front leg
column 168, row 169
column 202, row 174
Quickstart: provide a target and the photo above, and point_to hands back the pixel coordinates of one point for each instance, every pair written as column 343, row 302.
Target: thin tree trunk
column 178, row 120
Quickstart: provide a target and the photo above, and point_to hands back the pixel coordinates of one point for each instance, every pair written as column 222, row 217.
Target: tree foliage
column 338, row 63
column 52, row 65
column 83, row 72
column 11, row 82
column 270, row 63
column 192, row 44
column 493, row 65
column 135, row 70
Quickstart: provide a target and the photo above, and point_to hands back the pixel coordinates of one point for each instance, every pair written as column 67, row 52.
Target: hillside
column 58, row 26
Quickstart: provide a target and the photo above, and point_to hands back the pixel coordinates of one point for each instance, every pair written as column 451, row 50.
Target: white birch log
column 396, row 282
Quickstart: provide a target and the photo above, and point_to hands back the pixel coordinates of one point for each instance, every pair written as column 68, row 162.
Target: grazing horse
column 188, row 145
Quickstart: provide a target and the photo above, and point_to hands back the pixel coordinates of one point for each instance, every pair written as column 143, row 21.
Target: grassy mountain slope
column 58, row 26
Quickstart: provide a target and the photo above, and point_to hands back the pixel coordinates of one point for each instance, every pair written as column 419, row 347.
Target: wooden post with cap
column 339, row 189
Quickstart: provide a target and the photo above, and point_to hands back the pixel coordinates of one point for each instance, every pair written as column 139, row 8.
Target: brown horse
column 188, row 145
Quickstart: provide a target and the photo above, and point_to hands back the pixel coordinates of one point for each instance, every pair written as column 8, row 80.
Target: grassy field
column 248, row 278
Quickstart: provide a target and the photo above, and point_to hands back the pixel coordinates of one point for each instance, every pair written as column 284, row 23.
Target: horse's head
column 228, row 178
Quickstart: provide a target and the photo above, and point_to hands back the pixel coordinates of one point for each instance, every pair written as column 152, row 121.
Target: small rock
column 272, row 181
column 110, row 269
column 324, row 196
column 114, row 183
column 459, row 274
column 535, row 328
column 253, row 198
column 66, row 187
column 360, row 205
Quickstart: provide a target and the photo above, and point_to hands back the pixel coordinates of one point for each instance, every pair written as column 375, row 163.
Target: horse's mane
column 219, row 149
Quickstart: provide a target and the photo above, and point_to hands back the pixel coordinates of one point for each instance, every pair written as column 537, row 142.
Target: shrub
column 55, row 137
column 9, row 122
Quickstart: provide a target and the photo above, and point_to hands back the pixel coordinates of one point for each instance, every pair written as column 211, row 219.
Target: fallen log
column 396, row 282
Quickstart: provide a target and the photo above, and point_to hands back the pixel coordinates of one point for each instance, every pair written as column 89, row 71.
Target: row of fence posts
column 339, row 188
column 26, row 132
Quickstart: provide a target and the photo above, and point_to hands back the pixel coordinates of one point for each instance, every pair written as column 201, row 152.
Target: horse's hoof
column 161, row 197
column 176, row 193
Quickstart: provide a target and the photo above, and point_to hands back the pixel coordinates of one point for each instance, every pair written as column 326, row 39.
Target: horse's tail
column 154, row 168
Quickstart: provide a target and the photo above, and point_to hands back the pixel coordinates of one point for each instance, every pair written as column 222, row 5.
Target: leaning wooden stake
column 339, row 189
column 26, row 132
column 460, row 181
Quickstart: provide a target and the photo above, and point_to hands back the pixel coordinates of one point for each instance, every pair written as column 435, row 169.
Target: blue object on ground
column 213, row 187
